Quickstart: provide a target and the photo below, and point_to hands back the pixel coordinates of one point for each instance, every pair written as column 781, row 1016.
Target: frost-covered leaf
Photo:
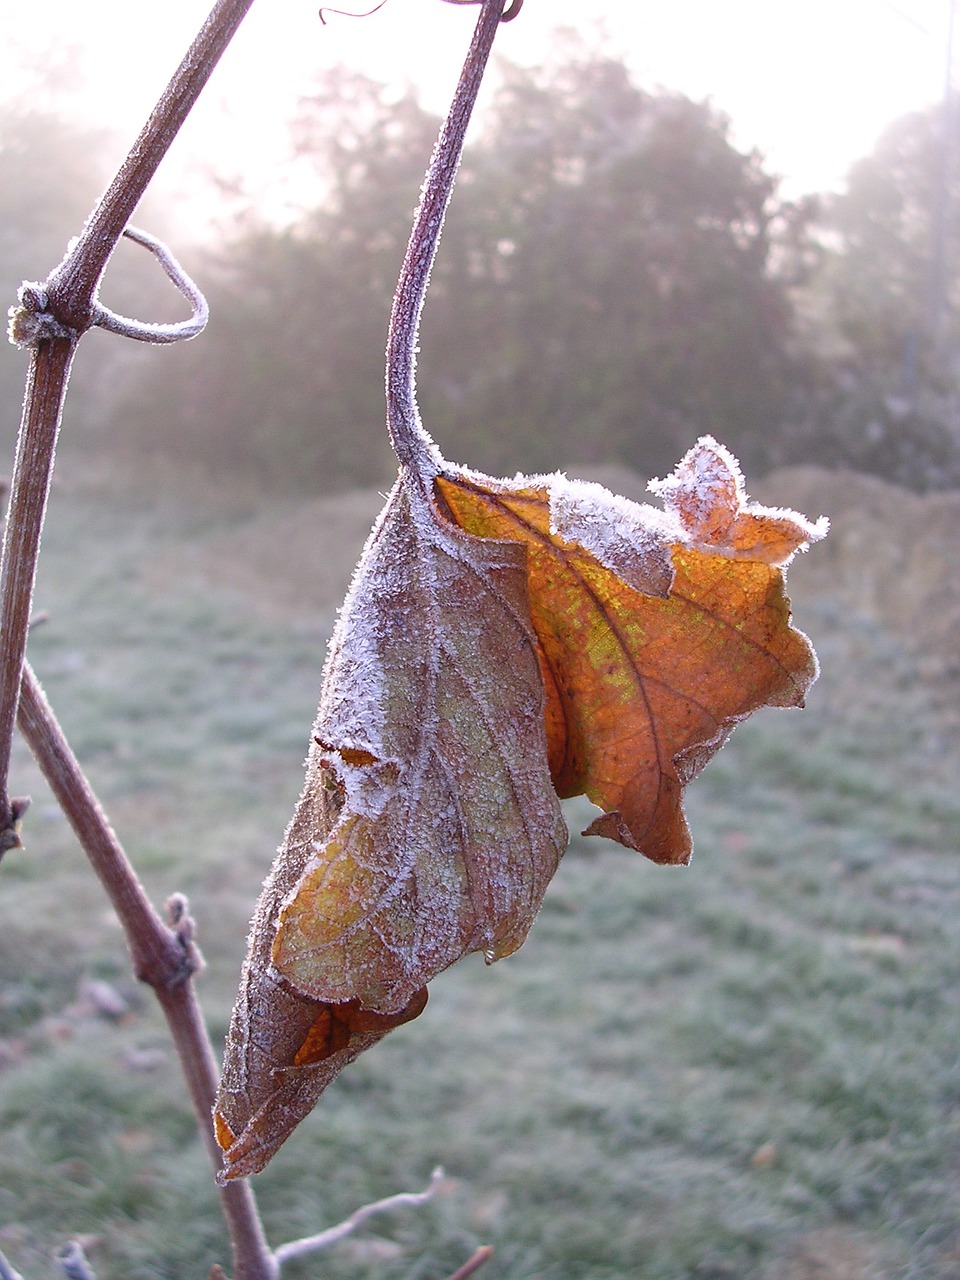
column 427, row 828
column 706, row 494
column 433, row 672
column 283, row 1051
column 502, row 643
column 656, row 631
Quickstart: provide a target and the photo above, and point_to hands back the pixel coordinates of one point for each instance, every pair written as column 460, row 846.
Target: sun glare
column 811, row 88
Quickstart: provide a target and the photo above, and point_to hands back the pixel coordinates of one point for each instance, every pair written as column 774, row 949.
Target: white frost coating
column 629, row 538
column 708, row 496
column 708, row 473
column 814, row 530
column 428, row 857
column 352, row 693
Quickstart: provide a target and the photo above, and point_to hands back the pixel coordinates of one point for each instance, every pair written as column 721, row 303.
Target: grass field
column 744, row 1070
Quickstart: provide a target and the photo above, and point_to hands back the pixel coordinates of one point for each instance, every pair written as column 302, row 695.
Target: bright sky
column 810, row 84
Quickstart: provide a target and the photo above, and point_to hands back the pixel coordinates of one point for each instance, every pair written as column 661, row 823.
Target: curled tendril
column 34, row 320
column 348, row 13
column 158, row 333
column 510, row 11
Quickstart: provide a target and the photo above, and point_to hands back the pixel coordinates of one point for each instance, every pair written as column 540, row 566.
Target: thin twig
column 472, row 1265
column 50, row 362
column 158, row 957
column 412, row 445
column 252, row 1257
column 348, row 13
column 323, row 1239
column 183, row 330
column 164, row 956
column 7, row 1272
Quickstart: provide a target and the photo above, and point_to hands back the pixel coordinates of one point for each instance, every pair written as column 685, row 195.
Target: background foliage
column 616, row 279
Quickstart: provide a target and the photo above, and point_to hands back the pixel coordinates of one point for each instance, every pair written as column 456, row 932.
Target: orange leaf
column 706, row 492
column 646, row 677
column 498, row 641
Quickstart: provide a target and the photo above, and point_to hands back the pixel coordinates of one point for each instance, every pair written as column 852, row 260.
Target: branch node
column 32, row 321
column 184, row 930
column 10, row 832
column 161, row 334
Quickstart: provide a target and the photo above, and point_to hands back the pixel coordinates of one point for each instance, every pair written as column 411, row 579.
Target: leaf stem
column 411, row 443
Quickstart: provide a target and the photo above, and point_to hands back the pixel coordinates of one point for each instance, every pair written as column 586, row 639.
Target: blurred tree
column 52, row 170
column 610, row 255
column 882, row 308
column 606, row 291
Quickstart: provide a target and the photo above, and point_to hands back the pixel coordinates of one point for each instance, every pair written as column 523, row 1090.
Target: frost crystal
column 629, row 538
column 707, row 495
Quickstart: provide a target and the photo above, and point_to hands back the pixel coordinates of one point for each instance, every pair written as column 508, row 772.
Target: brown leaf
column 427, row 828
column 284, row 1047
column 501, row 644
